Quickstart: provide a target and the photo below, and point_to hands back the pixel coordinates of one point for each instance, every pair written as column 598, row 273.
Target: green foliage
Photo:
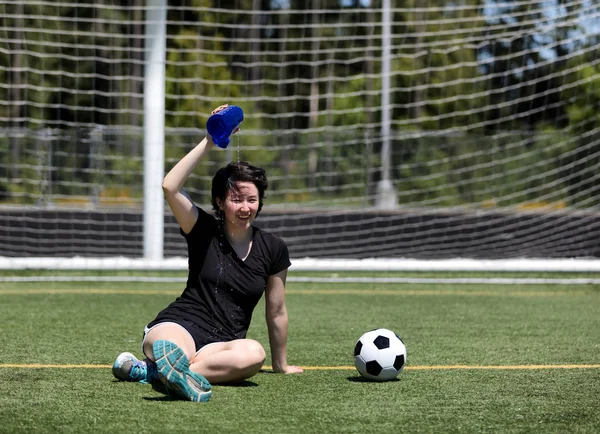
column 476, row 171
column 453, row 69
column 190, row 99
column 580, row 166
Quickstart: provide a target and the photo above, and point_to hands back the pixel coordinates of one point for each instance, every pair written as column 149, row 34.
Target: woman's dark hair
column 226, row 178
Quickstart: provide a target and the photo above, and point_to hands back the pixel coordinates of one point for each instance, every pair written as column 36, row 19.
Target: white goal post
column 454, row 136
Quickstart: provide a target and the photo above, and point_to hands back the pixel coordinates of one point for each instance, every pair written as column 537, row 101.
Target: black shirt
column 222, row 290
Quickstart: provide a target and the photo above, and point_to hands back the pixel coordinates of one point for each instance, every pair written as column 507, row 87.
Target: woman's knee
column 256, row 352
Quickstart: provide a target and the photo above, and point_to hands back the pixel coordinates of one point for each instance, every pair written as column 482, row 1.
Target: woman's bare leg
column 221, row 362
column 226, row 362
column 171, row 347
column 170, row 332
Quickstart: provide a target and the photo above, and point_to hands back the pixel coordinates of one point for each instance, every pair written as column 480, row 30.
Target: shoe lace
column 138, row 371
column 151, row 372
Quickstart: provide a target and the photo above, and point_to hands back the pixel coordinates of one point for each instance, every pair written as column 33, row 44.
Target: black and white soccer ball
column 379, row 355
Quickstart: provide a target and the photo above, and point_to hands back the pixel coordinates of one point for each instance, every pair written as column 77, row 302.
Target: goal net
column 402, row 131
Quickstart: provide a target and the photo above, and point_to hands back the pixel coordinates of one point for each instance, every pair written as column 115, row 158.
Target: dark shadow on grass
column 159, row 387
column 366, row 380
column 163, row 398
column 244, row 383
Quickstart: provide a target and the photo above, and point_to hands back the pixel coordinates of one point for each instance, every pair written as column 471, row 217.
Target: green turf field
column 481, row 358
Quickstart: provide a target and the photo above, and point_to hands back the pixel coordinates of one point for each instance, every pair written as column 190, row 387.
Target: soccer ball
column 379, row 355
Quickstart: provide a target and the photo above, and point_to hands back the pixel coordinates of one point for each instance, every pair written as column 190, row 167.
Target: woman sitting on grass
column 200, row 338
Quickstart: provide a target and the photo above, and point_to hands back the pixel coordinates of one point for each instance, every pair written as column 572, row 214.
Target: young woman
column 200, row 338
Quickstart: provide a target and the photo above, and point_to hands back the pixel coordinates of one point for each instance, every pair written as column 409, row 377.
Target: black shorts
column 200, row 336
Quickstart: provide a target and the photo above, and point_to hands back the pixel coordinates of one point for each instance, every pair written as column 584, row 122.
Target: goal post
column 154, row 128
column 393, row 135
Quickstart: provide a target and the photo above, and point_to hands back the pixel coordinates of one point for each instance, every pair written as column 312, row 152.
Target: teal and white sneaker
column 173, row 369
column 128, row 368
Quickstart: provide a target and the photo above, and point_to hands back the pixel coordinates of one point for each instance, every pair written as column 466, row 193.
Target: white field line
column 333, row 279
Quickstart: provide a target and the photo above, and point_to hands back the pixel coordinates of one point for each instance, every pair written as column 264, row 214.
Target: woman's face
column 240, row 206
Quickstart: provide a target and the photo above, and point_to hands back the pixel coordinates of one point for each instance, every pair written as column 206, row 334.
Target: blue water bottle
column 223, row 123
